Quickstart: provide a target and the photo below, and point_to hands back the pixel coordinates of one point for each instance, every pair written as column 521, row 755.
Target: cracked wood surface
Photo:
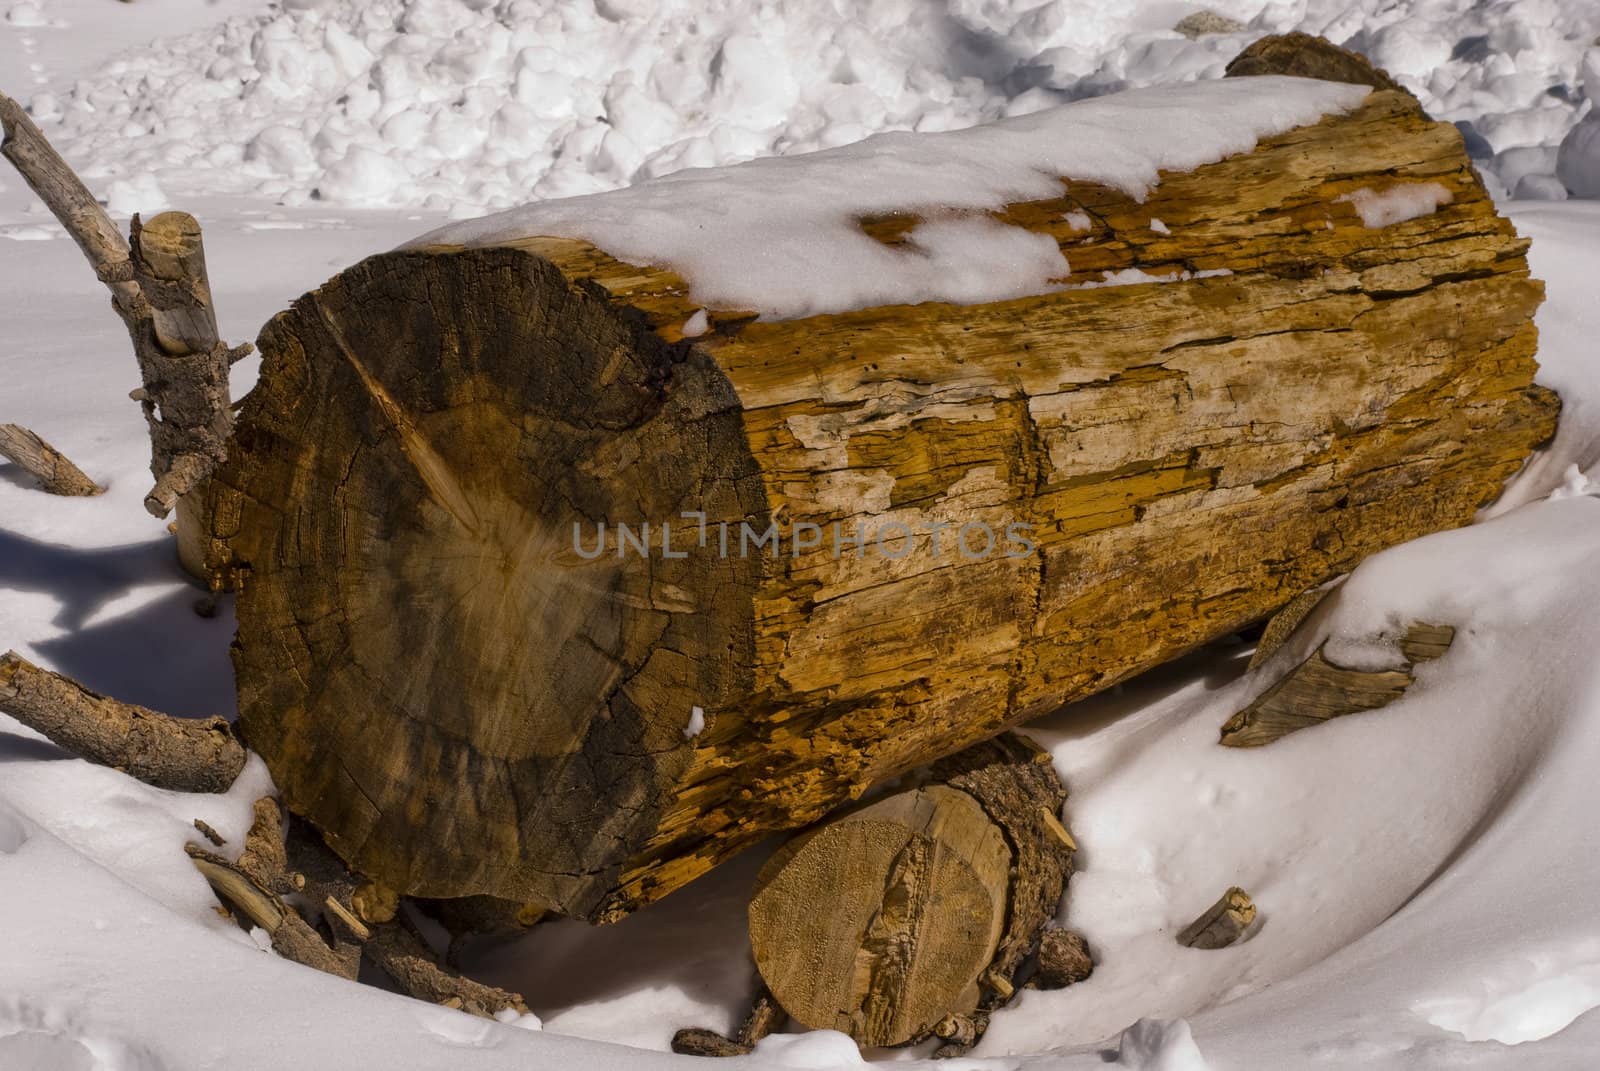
column 1320, row 689
column 466, row 706
column 917, row 910
column 879, row 923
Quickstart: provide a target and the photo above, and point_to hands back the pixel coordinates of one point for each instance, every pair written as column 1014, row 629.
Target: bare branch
column 160, row 288
column 183, row 754
column 44, row 462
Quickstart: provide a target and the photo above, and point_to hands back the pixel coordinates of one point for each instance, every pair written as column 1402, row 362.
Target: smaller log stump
column 917, row 907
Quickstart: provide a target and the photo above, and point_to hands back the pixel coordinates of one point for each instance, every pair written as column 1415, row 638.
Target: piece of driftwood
column 184, row 754
column 160, row 290
column 919, row 907
column 1319, row 689
column 466, row 706
column 54, row 471
column 257, row 883
column 1222, row 923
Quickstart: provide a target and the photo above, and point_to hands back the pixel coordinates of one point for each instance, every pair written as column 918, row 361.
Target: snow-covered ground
column 1426, row 874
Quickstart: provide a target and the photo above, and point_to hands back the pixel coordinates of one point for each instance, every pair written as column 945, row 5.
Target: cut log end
column 479, row 500
column 916, row 909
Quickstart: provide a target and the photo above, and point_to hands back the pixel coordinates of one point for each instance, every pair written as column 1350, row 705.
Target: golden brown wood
column 880, row 922
column 1318, row 689
column 465, row 705
column 918, row 908
column 1222, row 923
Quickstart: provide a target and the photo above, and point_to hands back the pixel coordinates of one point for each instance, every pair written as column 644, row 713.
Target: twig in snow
column 44, row 462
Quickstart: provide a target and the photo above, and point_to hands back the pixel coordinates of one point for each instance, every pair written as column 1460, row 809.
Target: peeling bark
column 1188, row 456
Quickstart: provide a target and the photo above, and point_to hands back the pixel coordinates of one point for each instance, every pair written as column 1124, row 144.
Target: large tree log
column 466, row 704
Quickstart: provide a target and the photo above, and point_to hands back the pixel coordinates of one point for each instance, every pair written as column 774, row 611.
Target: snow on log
column 585, row 546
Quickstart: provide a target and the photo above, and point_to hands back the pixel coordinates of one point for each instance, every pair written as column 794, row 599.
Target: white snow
column 1397, row 203
column 1159, row 227
column 1578, row 166
column 1159, row 1045
column 696, row 325
column 780, row 235
column 697, row 723
column 1425, row 874
column 484, row 104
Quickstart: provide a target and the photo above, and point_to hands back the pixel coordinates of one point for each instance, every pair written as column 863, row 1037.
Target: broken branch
column 44, row 463
column 182, row 754
column 160, row 289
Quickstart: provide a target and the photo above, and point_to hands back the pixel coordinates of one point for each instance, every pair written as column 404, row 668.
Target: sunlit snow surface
column 782, row 236
column 1426, row 874
column 471, row 105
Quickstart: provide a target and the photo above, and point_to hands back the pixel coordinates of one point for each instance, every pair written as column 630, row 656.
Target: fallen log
column 482, row 649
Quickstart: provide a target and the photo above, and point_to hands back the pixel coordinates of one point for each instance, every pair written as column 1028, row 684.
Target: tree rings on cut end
column 451, row 662
column 879, row 923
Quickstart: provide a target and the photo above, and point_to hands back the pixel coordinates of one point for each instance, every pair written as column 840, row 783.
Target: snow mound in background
column 472, row 105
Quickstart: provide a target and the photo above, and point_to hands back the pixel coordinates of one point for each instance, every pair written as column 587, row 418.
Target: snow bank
column 472, row 105
column 780, row 236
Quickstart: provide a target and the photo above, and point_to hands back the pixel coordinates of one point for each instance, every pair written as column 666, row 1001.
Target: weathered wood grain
column 465, row 705
column 1319, row 689
column 54, row 470
column 182, row 754
column 916, row 910
column 159, row 289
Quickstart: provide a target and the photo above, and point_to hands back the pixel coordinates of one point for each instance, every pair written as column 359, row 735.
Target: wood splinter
column 55, row 473
column 182, row 754
column 1222, row 923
